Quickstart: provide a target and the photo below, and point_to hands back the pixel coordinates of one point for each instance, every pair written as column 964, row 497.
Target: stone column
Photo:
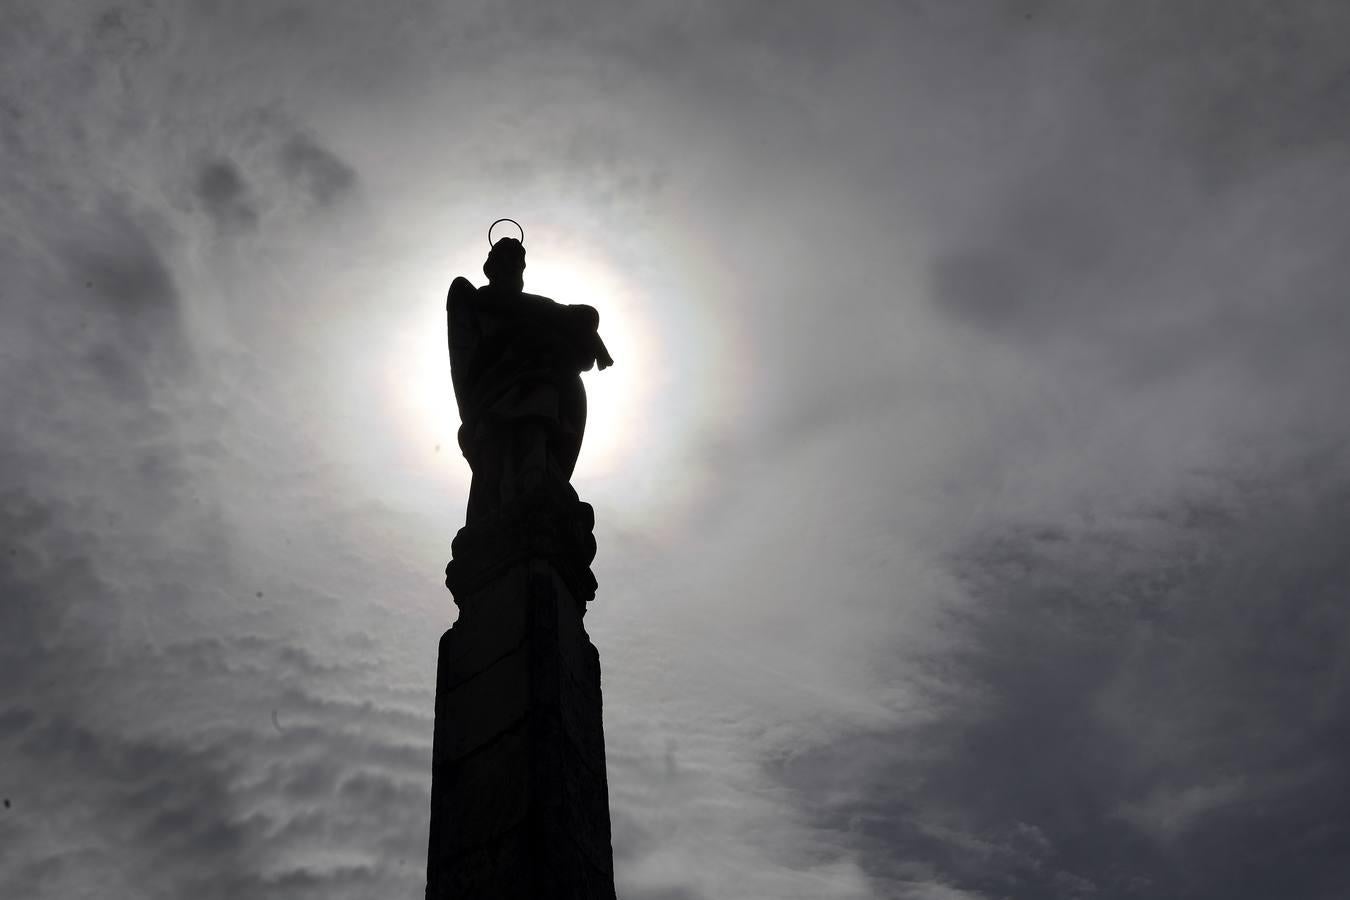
column 519, row 800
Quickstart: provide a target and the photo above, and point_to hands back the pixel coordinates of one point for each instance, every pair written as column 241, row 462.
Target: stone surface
column 519, row 801
column 549, row 523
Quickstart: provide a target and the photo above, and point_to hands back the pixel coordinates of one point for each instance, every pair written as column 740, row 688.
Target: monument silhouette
column 519, row 798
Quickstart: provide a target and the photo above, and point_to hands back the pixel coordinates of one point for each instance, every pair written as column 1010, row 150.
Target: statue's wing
column 463, row 333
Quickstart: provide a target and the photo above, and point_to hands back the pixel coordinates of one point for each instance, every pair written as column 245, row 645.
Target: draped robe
column 515, row 362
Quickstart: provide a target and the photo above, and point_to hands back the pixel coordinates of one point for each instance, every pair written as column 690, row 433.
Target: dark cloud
column 134, row 790
column 124, row 267
column 319, row 171
column 677, row 893
column 169, row 816
column 304, row 168
column 60, row 609
column 1047, row 264
column 122, row 310
column 223, row 192
column 1176, row 175
column 166, row 807
column 1135, row 707
column 114, row 546
column 1238, row 89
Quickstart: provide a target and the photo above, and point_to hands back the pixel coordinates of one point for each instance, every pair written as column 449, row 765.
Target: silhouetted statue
column 519, row 791
column 515, row 361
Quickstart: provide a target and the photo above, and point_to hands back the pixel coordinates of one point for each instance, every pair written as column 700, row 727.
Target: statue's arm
column 602, row 358
column 585, row 321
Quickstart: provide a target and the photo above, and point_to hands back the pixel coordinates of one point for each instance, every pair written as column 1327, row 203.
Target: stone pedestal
column 519, row 800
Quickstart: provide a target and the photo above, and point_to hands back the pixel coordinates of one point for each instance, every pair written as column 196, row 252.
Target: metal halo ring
column 498, row 222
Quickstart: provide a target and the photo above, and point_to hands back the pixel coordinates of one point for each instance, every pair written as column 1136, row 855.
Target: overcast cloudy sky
column 973, row 498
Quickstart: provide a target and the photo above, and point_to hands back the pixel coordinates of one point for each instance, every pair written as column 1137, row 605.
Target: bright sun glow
column 616, row 398
column 419, row 369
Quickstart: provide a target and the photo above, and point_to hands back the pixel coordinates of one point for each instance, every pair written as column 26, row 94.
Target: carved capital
column 550, row 523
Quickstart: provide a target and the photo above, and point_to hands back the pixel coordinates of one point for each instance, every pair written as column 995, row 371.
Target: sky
column 971, row 484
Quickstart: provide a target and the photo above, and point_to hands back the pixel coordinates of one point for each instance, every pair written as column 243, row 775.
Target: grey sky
column 971, row 483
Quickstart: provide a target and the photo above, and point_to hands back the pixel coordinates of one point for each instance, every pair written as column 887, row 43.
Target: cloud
column 1167, row 814
column 301, row 167
column 222, row 190
column 118, row 764
column 224, row 816
column 76, row 785
column 1145, row 219
column 1130, row 707
column 317, row 169
column 137, row 730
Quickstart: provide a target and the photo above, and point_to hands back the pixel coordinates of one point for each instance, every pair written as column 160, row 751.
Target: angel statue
column 516, row 361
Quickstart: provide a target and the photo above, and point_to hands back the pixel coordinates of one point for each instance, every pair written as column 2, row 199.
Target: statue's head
column 505, row 265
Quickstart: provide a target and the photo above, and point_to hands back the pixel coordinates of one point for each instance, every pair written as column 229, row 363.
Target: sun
column 418, row 367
